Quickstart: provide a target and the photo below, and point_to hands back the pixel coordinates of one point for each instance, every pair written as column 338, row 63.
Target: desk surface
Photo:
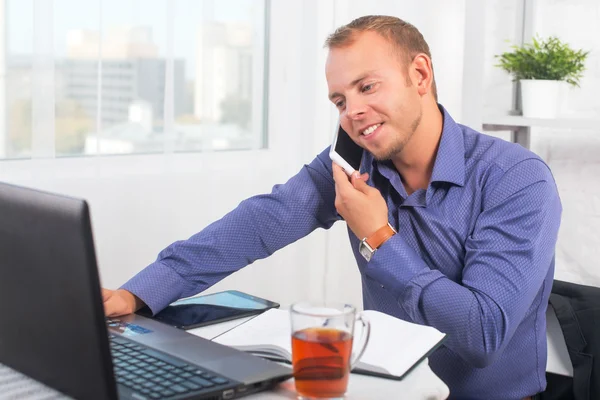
column 421, row 383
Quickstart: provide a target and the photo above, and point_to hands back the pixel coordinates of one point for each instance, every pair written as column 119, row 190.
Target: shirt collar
column 449, row 163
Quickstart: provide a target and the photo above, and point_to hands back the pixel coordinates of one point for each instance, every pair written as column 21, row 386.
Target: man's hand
column 361, row 205
column 120, row 302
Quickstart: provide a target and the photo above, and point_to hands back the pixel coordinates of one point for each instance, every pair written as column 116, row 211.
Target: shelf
column 509, row 122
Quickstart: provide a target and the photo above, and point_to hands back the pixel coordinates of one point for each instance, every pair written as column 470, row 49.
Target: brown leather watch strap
column 380, row 236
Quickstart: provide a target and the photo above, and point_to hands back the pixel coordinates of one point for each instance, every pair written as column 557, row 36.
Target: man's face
column 379, row 106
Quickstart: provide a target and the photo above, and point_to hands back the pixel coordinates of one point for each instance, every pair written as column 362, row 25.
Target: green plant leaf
column 548, row 59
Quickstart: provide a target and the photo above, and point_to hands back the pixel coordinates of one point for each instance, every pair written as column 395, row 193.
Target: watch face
column 365, row 251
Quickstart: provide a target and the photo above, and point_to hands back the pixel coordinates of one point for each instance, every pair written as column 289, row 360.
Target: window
column 133, row 76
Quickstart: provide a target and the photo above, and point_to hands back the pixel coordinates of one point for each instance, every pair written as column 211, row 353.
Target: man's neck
column 415, row 162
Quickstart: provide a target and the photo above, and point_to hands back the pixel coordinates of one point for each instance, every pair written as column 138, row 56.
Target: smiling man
column 464, row 225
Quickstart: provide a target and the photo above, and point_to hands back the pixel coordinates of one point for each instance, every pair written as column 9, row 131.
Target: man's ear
column 422, row 73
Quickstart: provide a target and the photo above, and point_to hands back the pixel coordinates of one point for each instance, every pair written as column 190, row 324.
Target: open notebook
column 394, row 349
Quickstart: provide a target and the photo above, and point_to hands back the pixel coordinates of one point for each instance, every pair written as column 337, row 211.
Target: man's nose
column 355, row 109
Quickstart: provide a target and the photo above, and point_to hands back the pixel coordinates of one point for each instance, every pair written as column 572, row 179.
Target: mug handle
column 366, row 334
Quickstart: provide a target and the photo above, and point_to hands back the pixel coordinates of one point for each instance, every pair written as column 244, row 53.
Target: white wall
column 573, row 155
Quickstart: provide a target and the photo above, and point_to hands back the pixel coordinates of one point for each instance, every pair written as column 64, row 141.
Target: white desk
column 421, row 383
column 14, row 385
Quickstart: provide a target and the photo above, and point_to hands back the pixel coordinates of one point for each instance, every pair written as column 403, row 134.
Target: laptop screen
column 52, row 325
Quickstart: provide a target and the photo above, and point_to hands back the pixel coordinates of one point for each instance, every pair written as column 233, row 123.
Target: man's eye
column 339, row 104
column 366, row 88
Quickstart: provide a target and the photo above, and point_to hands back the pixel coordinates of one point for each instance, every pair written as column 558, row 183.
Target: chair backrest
column 577, row 309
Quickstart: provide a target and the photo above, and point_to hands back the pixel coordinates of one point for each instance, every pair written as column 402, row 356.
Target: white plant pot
column 540, row 98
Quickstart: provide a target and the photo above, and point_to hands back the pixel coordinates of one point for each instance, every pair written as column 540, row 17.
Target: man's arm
column 507, row 258
column 257, row 228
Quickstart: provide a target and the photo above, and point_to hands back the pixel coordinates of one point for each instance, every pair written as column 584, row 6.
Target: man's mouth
column 370, row 129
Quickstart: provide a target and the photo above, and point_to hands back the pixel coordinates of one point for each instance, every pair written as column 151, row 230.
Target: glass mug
column 322, row 338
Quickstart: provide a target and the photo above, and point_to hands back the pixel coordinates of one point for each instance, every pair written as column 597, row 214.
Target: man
column 476, row 220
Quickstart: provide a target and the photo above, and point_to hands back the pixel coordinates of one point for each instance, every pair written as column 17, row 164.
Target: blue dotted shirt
column 473, row 257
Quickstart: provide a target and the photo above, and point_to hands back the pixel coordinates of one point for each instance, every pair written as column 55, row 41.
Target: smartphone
column 344, row 152
column 210, row 309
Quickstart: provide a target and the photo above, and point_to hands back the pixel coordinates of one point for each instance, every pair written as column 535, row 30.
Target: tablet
column 210, row 309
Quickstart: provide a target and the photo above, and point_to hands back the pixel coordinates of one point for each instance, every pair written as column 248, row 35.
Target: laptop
column 53, row 329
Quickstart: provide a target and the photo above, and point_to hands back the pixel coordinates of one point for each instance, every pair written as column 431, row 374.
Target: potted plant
column 541, row 67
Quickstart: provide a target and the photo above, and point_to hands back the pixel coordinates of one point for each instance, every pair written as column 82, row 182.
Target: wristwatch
column 369, row 245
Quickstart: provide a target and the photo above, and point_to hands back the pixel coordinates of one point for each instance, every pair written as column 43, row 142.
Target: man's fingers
column 106, row 294
column 359, row 183
column 114, row 304
column 338, row 173
column 109, row 308
column 108, row 301
column 340, row 178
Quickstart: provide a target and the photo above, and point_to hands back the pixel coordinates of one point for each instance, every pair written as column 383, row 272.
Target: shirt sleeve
column 507, row 257
column 257, row 228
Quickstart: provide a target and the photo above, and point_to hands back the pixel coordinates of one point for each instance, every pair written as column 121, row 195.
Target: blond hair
column 408, row 40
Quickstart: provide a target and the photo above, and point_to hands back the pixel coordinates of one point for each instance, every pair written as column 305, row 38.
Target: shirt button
column 383, row 287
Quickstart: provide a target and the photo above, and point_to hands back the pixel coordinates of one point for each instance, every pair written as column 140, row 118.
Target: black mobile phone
column 344, row 152
column 210, row 309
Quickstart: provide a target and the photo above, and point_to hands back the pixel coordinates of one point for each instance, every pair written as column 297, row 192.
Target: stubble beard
column 399, row 142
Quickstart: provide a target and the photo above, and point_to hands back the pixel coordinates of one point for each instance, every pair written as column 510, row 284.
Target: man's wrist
column 134, row 302
column 380, row 236
column 369, row 245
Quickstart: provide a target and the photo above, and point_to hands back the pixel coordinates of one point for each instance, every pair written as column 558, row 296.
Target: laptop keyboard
column 157, row 375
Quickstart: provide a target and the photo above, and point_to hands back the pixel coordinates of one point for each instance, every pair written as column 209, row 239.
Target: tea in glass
column 322, row 339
